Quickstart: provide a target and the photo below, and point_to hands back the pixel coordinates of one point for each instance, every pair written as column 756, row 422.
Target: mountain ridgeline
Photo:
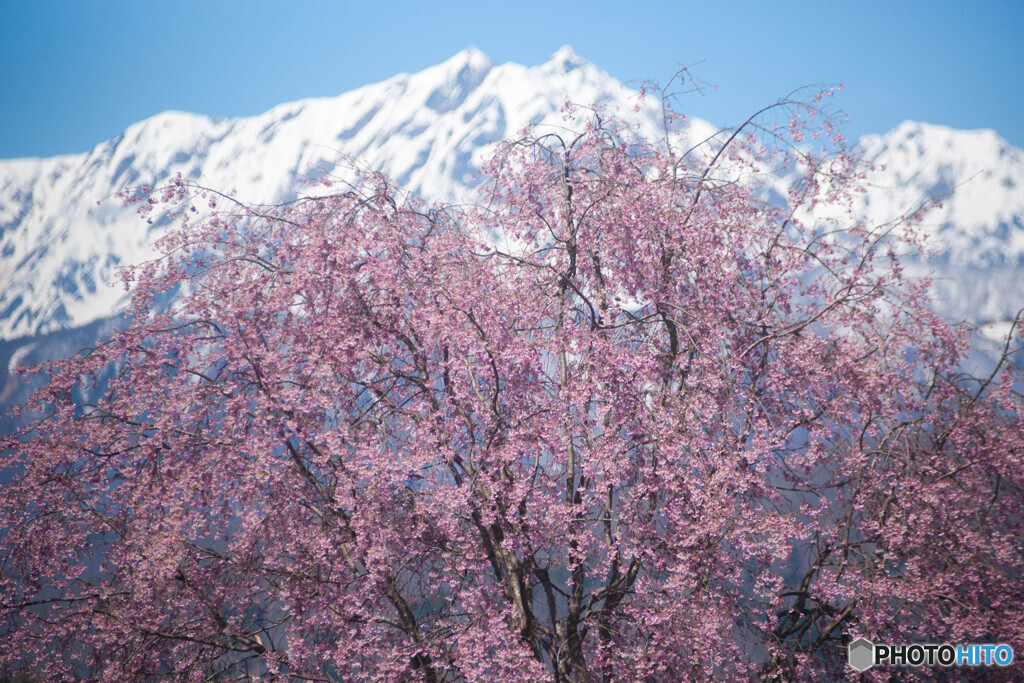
column 64, row 234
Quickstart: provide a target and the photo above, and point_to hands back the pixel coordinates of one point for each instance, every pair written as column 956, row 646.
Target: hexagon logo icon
column 861, row 654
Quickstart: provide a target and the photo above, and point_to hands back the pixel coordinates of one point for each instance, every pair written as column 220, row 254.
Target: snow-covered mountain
column 975, row 173
column 63, row 234
column 429, row 131
column 977, row 234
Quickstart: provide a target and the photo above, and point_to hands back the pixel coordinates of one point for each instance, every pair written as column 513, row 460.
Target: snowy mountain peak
column 566, row 59
column 931, row 139
column 456, row 78
column 471, row 57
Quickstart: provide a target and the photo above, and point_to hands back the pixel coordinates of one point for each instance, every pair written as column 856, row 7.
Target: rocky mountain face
column 64, row 234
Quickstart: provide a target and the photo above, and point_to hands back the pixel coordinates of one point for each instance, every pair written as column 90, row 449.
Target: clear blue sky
column 76, row 73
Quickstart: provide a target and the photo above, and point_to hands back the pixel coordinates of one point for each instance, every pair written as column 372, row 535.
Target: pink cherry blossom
column 623, row 420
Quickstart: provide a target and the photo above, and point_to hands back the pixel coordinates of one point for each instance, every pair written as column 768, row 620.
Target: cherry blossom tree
column 626, row 419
